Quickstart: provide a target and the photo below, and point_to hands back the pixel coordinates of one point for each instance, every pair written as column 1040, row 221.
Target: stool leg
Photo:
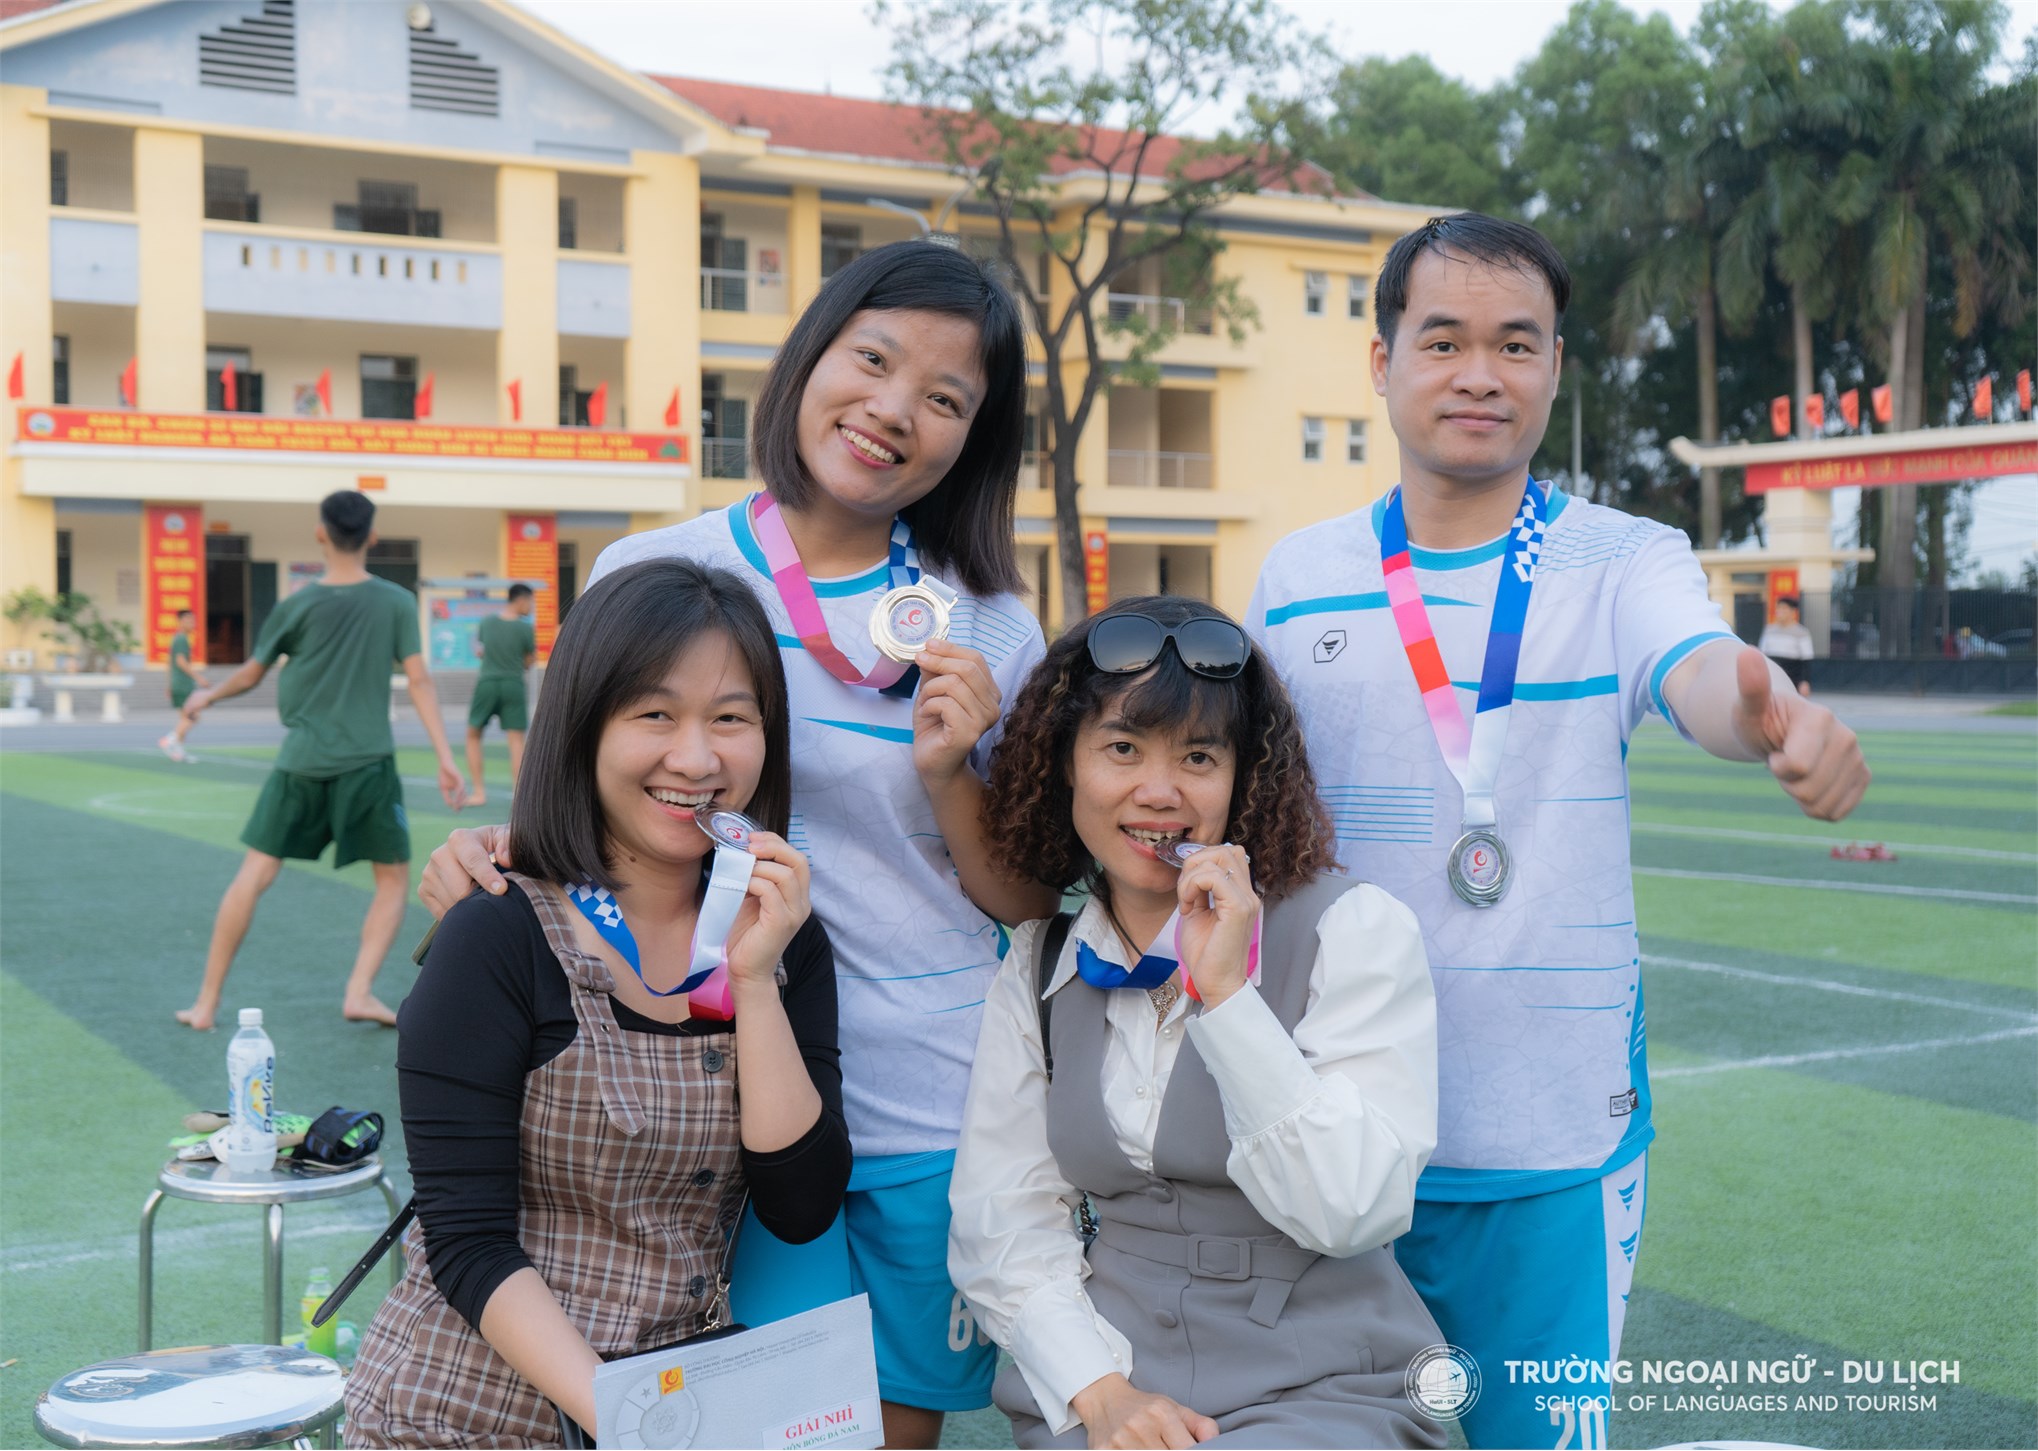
column 397, row 1261
column 272, row 1277
column 147, row 1296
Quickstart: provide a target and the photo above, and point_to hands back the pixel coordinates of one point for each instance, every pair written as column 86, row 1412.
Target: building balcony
column 594, row 298
column 1186, row 318
column 1129, row 468
column 337, row 276
column 95, row 258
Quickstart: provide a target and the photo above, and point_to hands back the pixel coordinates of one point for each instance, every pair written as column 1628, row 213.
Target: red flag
column 598, row 405
column 515, row 389
column 1985, row 398
column 1815, row 412
column 1779, row 415
column 1879, row 399
column 1850, row 407
column 672, row 408
column 129, row 384
column 15, row 387
column 2023, row 388
column 324, row 388
column 229, row 391
column 421, row 405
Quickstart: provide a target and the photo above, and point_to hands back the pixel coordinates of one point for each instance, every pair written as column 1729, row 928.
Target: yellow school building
column 257, row 250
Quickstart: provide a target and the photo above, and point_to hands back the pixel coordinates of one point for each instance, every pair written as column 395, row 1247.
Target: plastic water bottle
column 319, row 1339
column 249, row 1138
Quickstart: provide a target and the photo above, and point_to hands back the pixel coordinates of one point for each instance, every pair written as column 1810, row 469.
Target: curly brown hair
column 1275, row 813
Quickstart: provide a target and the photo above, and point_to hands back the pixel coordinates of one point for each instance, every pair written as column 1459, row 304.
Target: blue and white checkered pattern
column 599, row 903
column 1528, row 528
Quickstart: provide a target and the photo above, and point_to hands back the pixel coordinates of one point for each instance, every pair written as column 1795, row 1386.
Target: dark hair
column 615, row 648
column 349, row 517
column 1790, row 600
column 1466, row 236
column 965, row 524
column 1275, row 814
column 187, row 610
column 519, row 592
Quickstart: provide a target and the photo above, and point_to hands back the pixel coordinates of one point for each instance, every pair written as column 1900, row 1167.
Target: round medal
column 1479, row 867
column 1177, row 853
column 728, row 828
column 906, row 619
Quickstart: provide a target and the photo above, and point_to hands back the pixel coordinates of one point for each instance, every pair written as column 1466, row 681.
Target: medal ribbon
column 1473, row 754
column 1158, row 963
column 796, row 592
column 707, row 977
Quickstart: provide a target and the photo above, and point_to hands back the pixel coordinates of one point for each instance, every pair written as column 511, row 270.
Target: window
column 60, row 178
column 1355, row 441
column 841, row 244
column 572, row 402
column 569, row 224
column 388, row 207
column 1312, row 440
column 395, row 560
column 725, row 430
column 389, row 387
column 1315, row 288
column 60, row 370
column 63, row 561
column 569, row 575
column 227, row 198
column 247, row 382
column 1356, row 290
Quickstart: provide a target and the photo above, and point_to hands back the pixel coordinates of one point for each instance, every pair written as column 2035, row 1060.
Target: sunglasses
column 1127, row 644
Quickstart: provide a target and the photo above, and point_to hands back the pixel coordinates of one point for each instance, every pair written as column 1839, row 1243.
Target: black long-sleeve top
column 491, row 1006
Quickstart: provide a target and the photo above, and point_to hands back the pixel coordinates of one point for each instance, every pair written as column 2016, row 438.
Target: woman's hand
column 957, row 703
column 1218, row 908
column 773, row 909
column 1116, row 1413
column 468, row 859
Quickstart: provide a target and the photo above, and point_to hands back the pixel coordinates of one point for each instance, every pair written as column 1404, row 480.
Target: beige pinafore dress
column 630, row 1183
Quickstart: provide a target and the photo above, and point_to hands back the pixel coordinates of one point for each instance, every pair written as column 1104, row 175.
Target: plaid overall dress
column 629, row 1185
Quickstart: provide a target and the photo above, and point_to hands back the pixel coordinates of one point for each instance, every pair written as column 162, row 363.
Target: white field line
column 1948, row 894
column 1829, row 1055
column 1728, row 833
column 1848, row 988
column 27, row 1259
column 246, row 765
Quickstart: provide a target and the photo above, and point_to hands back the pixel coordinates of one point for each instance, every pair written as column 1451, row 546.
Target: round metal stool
column 211, row 1182
column 202, row 1395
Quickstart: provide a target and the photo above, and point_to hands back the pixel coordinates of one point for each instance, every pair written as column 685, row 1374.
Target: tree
column 1403, row 130
column 1081, row 165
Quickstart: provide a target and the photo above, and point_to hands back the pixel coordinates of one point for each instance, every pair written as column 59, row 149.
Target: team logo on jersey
column 1330, row 646
column 1444, row 1381
column 1623, row 1104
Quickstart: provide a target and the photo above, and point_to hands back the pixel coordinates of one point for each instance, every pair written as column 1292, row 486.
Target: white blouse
column 1328, row 1129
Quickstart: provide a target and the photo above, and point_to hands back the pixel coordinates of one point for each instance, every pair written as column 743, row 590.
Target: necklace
column 1163, row 999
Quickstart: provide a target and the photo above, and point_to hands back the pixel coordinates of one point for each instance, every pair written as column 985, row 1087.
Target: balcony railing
column 725, row 458
column 726, row 289
column 1171, row 312
column 268, row 272
column 1137, row 468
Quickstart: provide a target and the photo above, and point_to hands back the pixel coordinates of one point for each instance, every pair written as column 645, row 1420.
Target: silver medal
column 907, row 619
column 728, row 828
column 1177, row 853
column 1479, row 867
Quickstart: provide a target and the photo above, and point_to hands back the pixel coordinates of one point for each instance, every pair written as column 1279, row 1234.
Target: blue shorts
column 891, row 1243
column 1536, row 1281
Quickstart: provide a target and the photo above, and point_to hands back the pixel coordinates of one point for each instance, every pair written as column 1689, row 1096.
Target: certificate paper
column 807, row 1381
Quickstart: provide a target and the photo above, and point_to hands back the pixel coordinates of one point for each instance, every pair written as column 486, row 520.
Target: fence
column 1914, row 640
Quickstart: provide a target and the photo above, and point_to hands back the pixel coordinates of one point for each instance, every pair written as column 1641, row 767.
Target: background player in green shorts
column 183, row 680
column 509, row 644
column 335, row 778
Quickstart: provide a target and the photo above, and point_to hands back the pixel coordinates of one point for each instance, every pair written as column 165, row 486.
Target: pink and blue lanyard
column 796, row 592
column 1473, row 754
column 707, row 980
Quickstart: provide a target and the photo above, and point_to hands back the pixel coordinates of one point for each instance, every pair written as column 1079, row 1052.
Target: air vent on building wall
column 259, row 53
column 444, row 77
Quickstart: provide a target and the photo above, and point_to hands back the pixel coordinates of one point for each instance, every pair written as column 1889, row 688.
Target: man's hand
column 467, row 859
column 1811, row 754
column 452, row 785
column 1116, row 1413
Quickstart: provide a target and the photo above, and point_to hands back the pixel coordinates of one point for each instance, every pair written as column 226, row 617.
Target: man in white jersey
column 1543, row 629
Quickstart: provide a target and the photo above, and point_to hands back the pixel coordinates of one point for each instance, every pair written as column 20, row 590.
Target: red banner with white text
column 173, row 571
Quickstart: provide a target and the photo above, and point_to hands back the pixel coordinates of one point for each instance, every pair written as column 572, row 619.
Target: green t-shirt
column 505, row 645
column 180, row 660
column 343, row 641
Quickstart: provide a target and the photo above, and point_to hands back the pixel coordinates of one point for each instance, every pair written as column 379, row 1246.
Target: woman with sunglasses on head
column 1226, row 1068
column 887, row 434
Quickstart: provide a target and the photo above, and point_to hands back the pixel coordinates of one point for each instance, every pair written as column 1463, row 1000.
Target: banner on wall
column 1782, row 586
column 1096, row 570
column 173, row 571
column 1878, row 470
column 533, row 558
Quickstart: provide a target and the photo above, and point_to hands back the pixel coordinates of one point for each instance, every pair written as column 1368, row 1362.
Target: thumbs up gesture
column 1811, row 754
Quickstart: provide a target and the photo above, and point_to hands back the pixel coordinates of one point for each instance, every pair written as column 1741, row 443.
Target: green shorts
column 498, row 698
column 181, row 693
column 361, row 811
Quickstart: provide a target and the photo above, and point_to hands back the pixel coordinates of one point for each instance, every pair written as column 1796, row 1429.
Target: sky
column 833, row 45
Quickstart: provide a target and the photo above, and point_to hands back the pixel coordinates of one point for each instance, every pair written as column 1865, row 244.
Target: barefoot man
column 509, row 645
column 335, row 778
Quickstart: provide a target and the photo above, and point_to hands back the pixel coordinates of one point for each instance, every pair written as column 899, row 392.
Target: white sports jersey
column 1542, row 1070
column 913, row 956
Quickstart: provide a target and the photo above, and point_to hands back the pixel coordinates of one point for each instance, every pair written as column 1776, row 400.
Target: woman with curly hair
column 1199, row 1109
